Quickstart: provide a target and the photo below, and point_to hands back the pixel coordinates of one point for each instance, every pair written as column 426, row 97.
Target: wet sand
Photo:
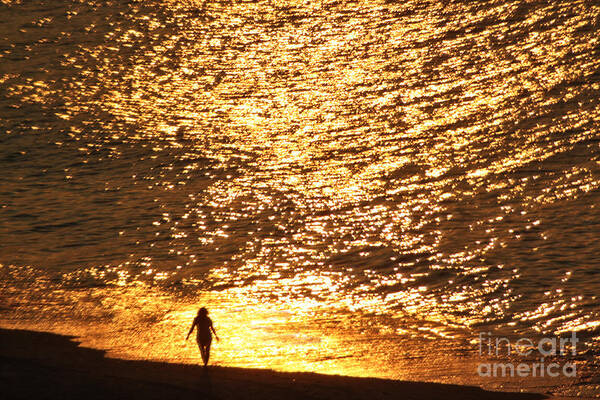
column 48, row 366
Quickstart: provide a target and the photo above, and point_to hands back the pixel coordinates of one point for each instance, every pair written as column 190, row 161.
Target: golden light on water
column 340, row 183
column 291, row 334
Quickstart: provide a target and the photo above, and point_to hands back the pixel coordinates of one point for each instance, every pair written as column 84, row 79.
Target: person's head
column 202, row 312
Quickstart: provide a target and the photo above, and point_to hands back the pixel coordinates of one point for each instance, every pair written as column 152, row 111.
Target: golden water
column 353, row 187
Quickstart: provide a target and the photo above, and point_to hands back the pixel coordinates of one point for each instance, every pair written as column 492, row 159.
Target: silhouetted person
column 204, row 326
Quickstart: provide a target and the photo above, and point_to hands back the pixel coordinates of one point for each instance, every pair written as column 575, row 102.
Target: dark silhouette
column 38, row 365
column 204, row 326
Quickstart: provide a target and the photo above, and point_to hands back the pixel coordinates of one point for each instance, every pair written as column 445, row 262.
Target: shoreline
column 50, row 366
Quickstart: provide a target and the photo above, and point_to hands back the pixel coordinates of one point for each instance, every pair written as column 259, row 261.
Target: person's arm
column 191, row 330
column 213, row 329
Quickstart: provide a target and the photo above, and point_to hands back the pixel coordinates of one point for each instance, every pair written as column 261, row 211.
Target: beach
column 48, row 366
column 404, row 191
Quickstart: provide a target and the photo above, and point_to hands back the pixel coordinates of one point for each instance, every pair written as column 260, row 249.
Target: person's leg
column 204, row 355
column 202, row 352
column 207, row 352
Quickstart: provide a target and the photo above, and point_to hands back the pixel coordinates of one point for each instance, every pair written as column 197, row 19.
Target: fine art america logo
column 527, row 348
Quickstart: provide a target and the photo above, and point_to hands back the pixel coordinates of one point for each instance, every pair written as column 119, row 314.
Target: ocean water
column 350, row 187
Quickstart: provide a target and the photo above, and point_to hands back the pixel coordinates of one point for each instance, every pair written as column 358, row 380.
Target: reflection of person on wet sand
column 203, row 325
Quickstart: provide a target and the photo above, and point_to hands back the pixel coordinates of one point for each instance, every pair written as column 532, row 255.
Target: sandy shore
column 47, row 366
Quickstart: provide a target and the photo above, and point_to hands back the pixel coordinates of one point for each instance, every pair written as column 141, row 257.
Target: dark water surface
column 352, row 187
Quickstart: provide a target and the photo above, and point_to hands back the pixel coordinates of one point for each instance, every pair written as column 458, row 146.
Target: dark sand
column 37, row 365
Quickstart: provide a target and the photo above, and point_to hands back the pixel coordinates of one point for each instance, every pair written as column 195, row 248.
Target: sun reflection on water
column 345, row 178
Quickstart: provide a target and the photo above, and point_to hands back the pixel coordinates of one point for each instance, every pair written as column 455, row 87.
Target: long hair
column 203, row 312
